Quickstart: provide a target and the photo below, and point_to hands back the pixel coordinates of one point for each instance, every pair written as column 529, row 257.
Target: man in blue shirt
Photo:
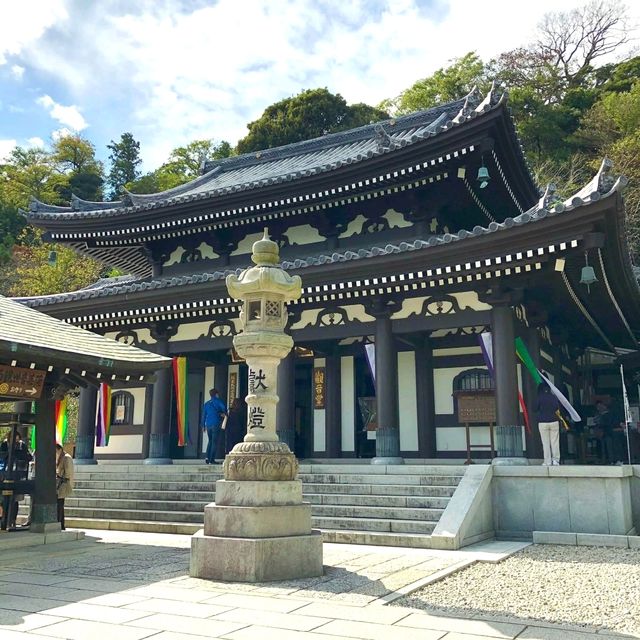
column 213, row 414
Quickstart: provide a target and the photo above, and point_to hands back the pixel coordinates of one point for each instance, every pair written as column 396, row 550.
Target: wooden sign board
column 318, row 387
column 21, row 383
column 476, row 407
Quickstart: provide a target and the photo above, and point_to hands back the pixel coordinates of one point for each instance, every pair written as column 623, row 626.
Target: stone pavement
column 131, row 586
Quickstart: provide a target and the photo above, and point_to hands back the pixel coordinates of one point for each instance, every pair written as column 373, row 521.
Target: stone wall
column 585, row 499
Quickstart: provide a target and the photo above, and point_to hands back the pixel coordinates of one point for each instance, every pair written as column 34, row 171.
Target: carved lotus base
column 260, row 461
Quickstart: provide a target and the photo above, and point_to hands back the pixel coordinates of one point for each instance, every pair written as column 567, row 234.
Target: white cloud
column 6, row 147
column 69, row 116
column 173, row 71
column 17, row 71
column 35, row 142
column 24, row 22
column 63, row 132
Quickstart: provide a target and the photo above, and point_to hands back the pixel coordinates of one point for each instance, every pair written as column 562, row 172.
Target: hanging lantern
column 588, row 275
column 483, row 176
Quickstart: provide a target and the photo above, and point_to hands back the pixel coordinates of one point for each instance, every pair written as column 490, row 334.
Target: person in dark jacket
column 547, row 409
column 236, row 424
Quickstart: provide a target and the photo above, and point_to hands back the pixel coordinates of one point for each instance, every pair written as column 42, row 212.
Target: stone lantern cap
column 265, row 278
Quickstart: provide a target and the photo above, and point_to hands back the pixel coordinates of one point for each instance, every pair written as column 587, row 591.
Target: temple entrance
column 365, row 398
column 303, row 410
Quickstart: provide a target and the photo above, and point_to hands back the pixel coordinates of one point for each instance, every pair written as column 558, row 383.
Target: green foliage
column 32, row 275
column 125, row 160
column 310, row 114
column 444, row 85
column 74, row 157
column 184, row 164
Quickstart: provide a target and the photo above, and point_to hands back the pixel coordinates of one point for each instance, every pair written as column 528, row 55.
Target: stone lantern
column 259, row 528
column 264, row 289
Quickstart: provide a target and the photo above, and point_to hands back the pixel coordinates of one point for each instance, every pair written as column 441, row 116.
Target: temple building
column 412, row 236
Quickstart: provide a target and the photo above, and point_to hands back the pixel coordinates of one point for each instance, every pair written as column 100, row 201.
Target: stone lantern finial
column 265, row 252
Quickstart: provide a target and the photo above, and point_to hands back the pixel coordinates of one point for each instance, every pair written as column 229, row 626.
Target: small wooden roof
column 32, row 339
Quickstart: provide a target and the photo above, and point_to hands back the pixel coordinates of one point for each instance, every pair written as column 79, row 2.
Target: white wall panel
column 347, row 402
column 407, row 401
column 122, row 444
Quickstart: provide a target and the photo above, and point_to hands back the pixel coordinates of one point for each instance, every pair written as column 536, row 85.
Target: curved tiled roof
column 603, row 185
column 290, row 162
column 27, row 329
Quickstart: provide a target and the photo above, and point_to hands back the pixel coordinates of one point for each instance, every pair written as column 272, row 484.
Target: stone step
column 374, row 469
column 142, row 494
column 98, row 476
column 119, row 485
column 374, row 524
column 109, row 502
column 377, row 500
column 345, row 536
column 448, row 480
column 147, row 526
column 382, row 513
column 208, row 487
column 195, row 517
column 183, row 510
column 379, row 489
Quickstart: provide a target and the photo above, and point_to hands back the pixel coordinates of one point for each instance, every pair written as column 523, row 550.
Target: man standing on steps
column 212, row 416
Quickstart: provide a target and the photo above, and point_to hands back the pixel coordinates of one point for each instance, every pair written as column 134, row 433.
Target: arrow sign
column 16, row 382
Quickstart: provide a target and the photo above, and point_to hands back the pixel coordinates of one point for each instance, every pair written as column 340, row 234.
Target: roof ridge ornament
column 470, row 101
column 602, row 183
column 489, row 100
column 382, row 138
column 549, row 197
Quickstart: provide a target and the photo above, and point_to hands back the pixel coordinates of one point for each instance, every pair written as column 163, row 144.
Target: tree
column 74, row 157
column 33, row 275
column 26, row 173
column 574, row 39
column 184, row 164
column 310, row 114
column 444, row 85
column 125, row 160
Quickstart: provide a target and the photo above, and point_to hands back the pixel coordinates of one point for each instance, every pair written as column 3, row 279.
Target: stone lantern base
column 257, row 531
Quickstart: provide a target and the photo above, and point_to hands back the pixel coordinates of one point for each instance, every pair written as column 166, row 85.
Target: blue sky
column 171, row 71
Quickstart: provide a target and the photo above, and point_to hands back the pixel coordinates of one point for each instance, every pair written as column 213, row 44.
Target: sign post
column 16, row 382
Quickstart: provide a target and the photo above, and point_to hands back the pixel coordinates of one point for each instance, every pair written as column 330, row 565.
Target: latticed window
column 473, row 380
column 122, row 407
column 272, row 309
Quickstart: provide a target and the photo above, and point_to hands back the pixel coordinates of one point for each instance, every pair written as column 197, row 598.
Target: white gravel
column 591, row 587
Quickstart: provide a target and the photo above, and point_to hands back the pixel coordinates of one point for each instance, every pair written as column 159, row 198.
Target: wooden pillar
column 504, row 363
column 333, row 406
column 425, row 393
column 388, row 432
column 44, row 516
column 285, row 409
column 159, row 437
column 86, row 436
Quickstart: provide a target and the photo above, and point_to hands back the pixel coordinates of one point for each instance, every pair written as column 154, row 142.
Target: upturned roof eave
column 551, row 229
column 470, row 131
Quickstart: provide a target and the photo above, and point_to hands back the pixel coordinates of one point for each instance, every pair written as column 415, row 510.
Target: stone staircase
column 355, row 503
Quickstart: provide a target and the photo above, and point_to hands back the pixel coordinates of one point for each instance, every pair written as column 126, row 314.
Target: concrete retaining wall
column 514, row 501
column 585, row 499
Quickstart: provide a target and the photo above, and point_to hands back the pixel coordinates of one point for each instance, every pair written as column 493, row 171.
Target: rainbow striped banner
column 103, row 415
column 61, row 420
column 182, row 403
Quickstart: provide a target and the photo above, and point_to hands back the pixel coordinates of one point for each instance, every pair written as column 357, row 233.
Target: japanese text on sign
column 318, row 387
column 16, row 382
